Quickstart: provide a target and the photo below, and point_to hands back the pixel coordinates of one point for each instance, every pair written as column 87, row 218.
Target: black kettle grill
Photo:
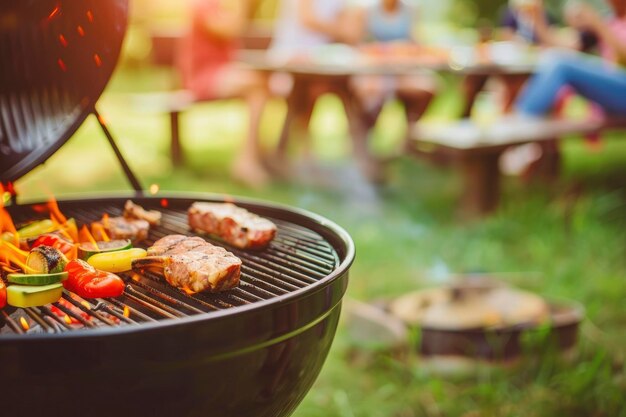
column 252, row 351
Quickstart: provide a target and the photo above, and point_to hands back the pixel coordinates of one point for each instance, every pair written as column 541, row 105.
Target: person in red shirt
column 207, row 68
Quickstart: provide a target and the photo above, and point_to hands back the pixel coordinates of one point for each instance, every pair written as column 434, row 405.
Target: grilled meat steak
column 232, row 224
column 192, row 264
column 123, row 228
column 135, row 211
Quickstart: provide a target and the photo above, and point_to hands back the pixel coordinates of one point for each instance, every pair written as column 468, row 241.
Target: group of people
column 207, row 59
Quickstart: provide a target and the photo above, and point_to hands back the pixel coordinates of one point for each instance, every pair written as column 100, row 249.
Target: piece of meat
column 135, row 211
column 121, row 228
column 232, row 224
column 192, row 264
column 173, row 245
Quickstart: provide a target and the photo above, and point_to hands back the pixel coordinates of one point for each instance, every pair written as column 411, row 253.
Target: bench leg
column 175, row 148
column 481, row 189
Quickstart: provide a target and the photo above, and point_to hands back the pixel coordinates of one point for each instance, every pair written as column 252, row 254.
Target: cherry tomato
column 105, row 284
column 54, row 241
column 88, row 282
column 3, row 294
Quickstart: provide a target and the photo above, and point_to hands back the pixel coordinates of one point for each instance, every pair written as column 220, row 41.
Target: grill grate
column 297, row 258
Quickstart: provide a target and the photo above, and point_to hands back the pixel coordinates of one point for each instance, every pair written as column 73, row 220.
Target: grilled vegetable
column 7, row 237
column 35, row 229
column 33, row 296
column 54, row 241
column 87, row 250
column 87, row 282
column 3, row 294
column 37, row 279
column 46, row 260
column 119, row 261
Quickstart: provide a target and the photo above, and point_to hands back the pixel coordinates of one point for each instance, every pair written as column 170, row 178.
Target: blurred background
column 563, row 240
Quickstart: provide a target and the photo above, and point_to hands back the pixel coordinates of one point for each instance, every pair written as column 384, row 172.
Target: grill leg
column 175, row 148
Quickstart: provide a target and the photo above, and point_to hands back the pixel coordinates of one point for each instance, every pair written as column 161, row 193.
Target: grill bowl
column 258, row 357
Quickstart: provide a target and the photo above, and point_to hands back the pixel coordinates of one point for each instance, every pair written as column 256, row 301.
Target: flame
column 97, row 60
column 99, row 230
column 154, row 188
column 54, row 12
column 24, row 324
column 9, row 270
column 62, row 40
column 85, row 304
column 164, row 202
column 7, row 225
column 90, row 16
column 80, row 30
column 11, row 254
column 62, row 65
column 189, row 291
column 101, row 119
column 67, row 319
column 136, row 277
column 55, row 213
column 126, row 311
column 86, row 236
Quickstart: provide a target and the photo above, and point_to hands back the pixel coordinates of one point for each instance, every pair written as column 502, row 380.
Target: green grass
column 565, row 240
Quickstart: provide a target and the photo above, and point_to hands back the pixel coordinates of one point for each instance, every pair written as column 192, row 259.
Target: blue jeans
column 590, row 77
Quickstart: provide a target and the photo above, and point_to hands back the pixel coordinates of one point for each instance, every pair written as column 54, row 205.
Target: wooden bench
column 476, row 149
column 175, row 101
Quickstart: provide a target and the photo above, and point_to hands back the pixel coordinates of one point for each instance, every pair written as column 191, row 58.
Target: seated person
column 392, row 22
column 528, row 22
column 206, row 66
column 602, row 81
column 301, row 27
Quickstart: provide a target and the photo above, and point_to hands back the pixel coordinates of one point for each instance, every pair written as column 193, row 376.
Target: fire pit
column 156, row 350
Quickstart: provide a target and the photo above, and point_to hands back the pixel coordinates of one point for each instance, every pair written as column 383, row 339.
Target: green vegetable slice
column 37, row 279
column 33, row 296
column 35, row 229
column 87, row 250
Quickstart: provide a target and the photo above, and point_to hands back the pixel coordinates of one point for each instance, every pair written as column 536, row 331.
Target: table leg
column 297, row 102
column 481, row 188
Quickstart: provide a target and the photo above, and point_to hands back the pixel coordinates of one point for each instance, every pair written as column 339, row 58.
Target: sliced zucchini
column 37, row 279
column 35, row 229
column 119, row 261
column 33, row 296
column 87, row 250
column 46, row 260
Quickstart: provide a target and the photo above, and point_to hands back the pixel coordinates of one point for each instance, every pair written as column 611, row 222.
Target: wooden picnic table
column 264, row 61
column 337, row 75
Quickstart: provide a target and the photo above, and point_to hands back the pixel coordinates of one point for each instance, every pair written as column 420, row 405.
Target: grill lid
column 57, row 56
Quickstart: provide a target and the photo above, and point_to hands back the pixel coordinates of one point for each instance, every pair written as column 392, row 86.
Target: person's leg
column 471, row 86
column 416, row 93
column 235, row 82
column 591, row 78
column 370, row 94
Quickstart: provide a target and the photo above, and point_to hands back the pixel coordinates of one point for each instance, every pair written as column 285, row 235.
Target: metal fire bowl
column 506, row 343
column 252, row 360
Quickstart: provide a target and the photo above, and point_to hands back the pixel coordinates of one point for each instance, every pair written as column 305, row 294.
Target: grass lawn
column 564, row 240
